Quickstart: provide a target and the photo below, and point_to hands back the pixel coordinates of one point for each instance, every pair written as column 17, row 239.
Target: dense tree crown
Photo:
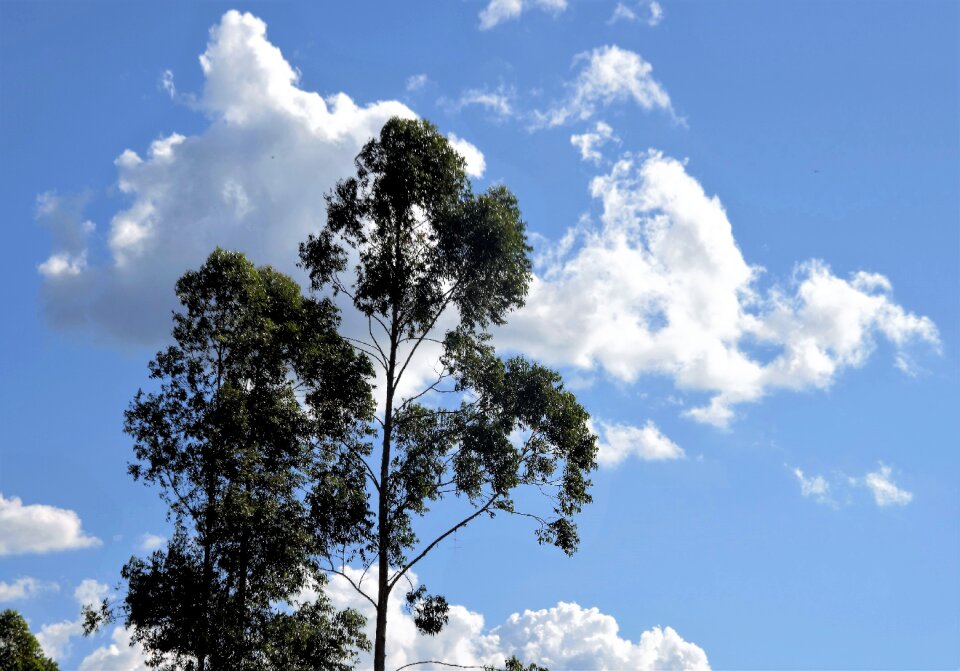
column 19, row 649
column 426, row 261
column 253, row 394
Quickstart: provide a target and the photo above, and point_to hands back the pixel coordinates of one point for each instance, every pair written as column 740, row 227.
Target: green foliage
column 19, row 649
column 429, row 252
column 232, row 448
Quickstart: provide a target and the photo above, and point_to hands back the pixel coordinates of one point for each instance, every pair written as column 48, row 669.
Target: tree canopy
column 426, row 262
column 19, row 649
column 252, row 394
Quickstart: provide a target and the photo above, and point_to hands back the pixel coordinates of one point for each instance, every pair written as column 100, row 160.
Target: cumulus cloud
column 885, row 491
column 815, row 487
column 589, row 143
column 38, row 528
column 567, row 636
column 498, row 11
column 476, row 164
column 254, row 180
column 619, row 441
column 25, row 588
column 661, row 287
column 607, row 75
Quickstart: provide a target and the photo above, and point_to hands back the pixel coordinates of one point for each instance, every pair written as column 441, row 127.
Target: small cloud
column 151, row 542
column 619, row 441
column 25, row 588
column 589, row 143
column 38, row 528
column 416, row 82
column 476, row 164
column 656, row 14
column 816, row 488
column 497, row 101
column 885, row 492
column 498, row 11
column 622, row 13
column 166, row 83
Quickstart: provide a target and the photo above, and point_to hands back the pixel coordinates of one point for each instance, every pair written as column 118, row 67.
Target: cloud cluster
column 38, row 528
column 880, row 483
column 498, row 11
column 567, row 636
column 607, row 75
column 661, row 287
column 56, row 639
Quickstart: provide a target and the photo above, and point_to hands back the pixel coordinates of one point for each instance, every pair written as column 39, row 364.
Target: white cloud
column 589, row 143
column 619, row 441
column 609, row 75
column 661, row 287
column 498, row 101
column 476, row 164
column 167, row 84
column 151, row 542
column 498, row 11
column 816, row 487
column 622, row 13
column 417, row 82
column 25, row 588
column 254, row 180
column 885, row 491
column 656, row 13
column 566, row 636
column 38, row 528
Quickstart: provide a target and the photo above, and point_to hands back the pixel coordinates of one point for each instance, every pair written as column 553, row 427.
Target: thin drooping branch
column 429, row 327
column 352, row 584
column 451, row 664
column 462, row 523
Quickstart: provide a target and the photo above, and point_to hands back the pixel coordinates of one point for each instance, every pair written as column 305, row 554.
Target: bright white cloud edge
column 39, row 528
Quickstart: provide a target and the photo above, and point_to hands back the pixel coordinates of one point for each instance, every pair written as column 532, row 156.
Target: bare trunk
column 383, row 513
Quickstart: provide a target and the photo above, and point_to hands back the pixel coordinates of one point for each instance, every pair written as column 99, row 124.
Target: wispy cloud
column 499, row 11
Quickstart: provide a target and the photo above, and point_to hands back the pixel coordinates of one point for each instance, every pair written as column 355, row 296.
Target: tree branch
column 458, row 525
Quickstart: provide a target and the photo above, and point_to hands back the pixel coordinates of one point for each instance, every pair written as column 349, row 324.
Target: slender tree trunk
column 383, row 513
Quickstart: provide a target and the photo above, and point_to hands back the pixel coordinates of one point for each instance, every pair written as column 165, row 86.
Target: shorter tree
column 19, row 649
column 229, row 441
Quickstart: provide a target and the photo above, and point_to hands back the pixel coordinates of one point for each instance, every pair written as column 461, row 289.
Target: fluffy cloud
column 662, row 287
column 39, row 528
column 566, row 636
column 608, row 75
column 589, row 143
column 55, row 639
column 476, row 164
column 619, row 441
column 254, row 180
column 498, row 11
column 25, row 588
column 885, row 492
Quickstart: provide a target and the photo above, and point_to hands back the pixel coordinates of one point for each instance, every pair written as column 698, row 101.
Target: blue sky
column 757, row 301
